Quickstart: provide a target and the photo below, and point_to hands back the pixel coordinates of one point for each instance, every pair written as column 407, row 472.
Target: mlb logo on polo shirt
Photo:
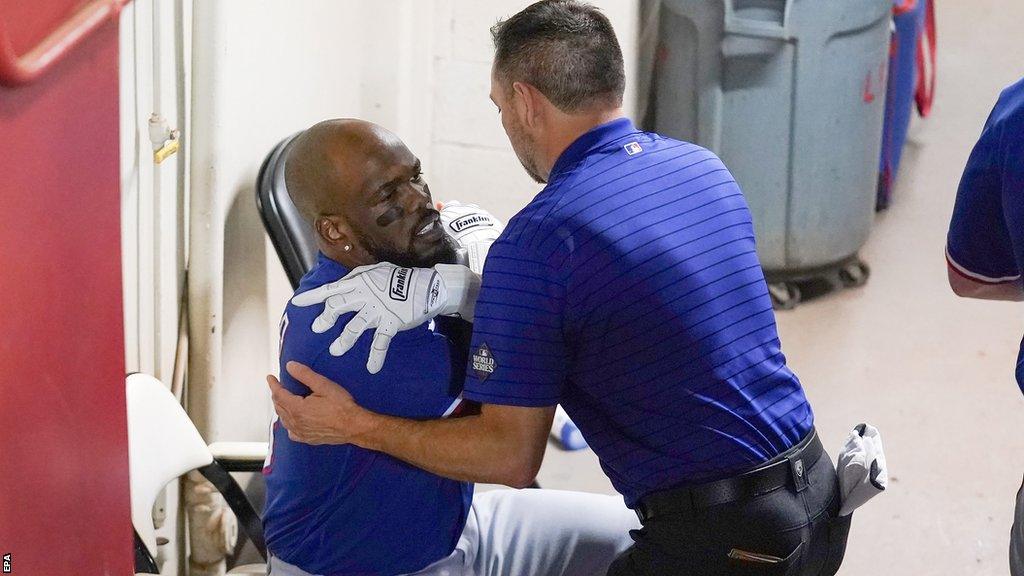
column 633, row 148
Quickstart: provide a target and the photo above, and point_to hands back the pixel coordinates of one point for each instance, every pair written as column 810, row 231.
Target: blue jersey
column 629, row 290
column 986, row 235
column 343, row 510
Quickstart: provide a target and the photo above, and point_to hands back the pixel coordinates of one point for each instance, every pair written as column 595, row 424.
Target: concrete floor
column 933, row 372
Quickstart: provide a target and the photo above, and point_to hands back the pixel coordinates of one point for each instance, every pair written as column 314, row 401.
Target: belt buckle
column 799, row 473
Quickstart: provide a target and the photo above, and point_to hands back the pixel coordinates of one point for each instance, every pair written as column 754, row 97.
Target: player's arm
column 980, row 260
column 390, row 299
column 502, row 445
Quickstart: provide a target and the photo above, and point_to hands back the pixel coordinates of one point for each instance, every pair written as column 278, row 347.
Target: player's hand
column 473, row 229
column 390, row 299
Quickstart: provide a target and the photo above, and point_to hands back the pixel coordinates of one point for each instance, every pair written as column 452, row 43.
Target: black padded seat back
column 292, row 237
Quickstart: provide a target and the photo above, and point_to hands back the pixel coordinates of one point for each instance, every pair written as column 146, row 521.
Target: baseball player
column 985, row 246
column 345, row 510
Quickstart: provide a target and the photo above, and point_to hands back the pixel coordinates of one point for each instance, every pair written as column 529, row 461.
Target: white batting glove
column 863, row 473
column 473, row 229
column 390, row 299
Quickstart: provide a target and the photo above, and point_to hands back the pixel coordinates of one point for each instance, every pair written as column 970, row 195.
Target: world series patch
column 483, row 362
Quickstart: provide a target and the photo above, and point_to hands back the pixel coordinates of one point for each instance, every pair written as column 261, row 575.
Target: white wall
column 153, row 69
column 153, row 223
column 262, row 70
column 470, row 157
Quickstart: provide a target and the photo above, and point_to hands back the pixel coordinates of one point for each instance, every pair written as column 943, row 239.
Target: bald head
column 362, row 191
column 327, row 164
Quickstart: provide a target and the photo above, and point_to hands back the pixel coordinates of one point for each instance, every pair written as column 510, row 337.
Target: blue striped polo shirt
column 629, row 291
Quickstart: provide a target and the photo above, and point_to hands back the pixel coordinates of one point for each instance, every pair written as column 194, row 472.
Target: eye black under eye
column 390, row 216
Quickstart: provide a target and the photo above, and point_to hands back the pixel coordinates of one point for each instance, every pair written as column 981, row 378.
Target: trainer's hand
column 327, row 416
column 473, row 228
column 390, row 299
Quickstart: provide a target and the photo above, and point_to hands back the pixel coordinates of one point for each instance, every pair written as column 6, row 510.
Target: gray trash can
column 791, row 95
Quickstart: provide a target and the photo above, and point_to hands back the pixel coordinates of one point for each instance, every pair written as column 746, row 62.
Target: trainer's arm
column 502, row 445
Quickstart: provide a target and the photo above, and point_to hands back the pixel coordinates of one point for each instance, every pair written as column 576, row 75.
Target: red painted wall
column 64, row 501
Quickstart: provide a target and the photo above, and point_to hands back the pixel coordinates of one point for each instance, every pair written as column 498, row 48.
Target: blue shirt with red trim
column 986, row 234
column 629, row 290
column 343, row 510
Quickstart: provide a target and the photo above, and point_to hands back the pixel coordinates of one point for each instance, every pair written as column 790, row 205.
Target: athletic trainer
column 630, row 291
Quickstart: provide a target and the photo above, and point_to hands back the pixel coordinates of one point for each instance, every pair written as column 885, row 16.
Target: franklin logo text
column 471, row 221
column 400, row 283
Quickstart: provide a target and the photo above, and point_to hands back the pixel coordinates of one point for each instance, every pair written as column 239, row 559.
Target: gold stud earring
column 347, row 248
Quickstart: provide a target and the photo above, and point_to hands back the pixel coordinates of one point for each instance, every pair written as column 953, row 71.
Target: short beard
column 383, row 252
column 524, row 150
column 533, row 172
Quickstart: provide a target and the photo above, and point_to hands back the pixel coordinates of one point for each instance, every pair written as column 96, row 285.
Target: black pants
column 800, row 528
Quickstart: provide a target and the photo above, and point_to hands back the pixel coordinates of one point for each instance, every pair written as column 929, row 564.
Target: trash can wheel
column 854, row 274
column 785, row 295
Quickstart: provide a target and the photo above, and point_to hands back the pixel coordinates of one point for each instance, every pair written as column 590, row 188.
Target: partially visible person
column 985, row 246
column 344, row 510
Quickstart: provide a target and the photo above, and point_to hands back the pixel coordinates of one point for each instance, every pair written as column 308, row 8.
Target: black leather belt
column 790, row 466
